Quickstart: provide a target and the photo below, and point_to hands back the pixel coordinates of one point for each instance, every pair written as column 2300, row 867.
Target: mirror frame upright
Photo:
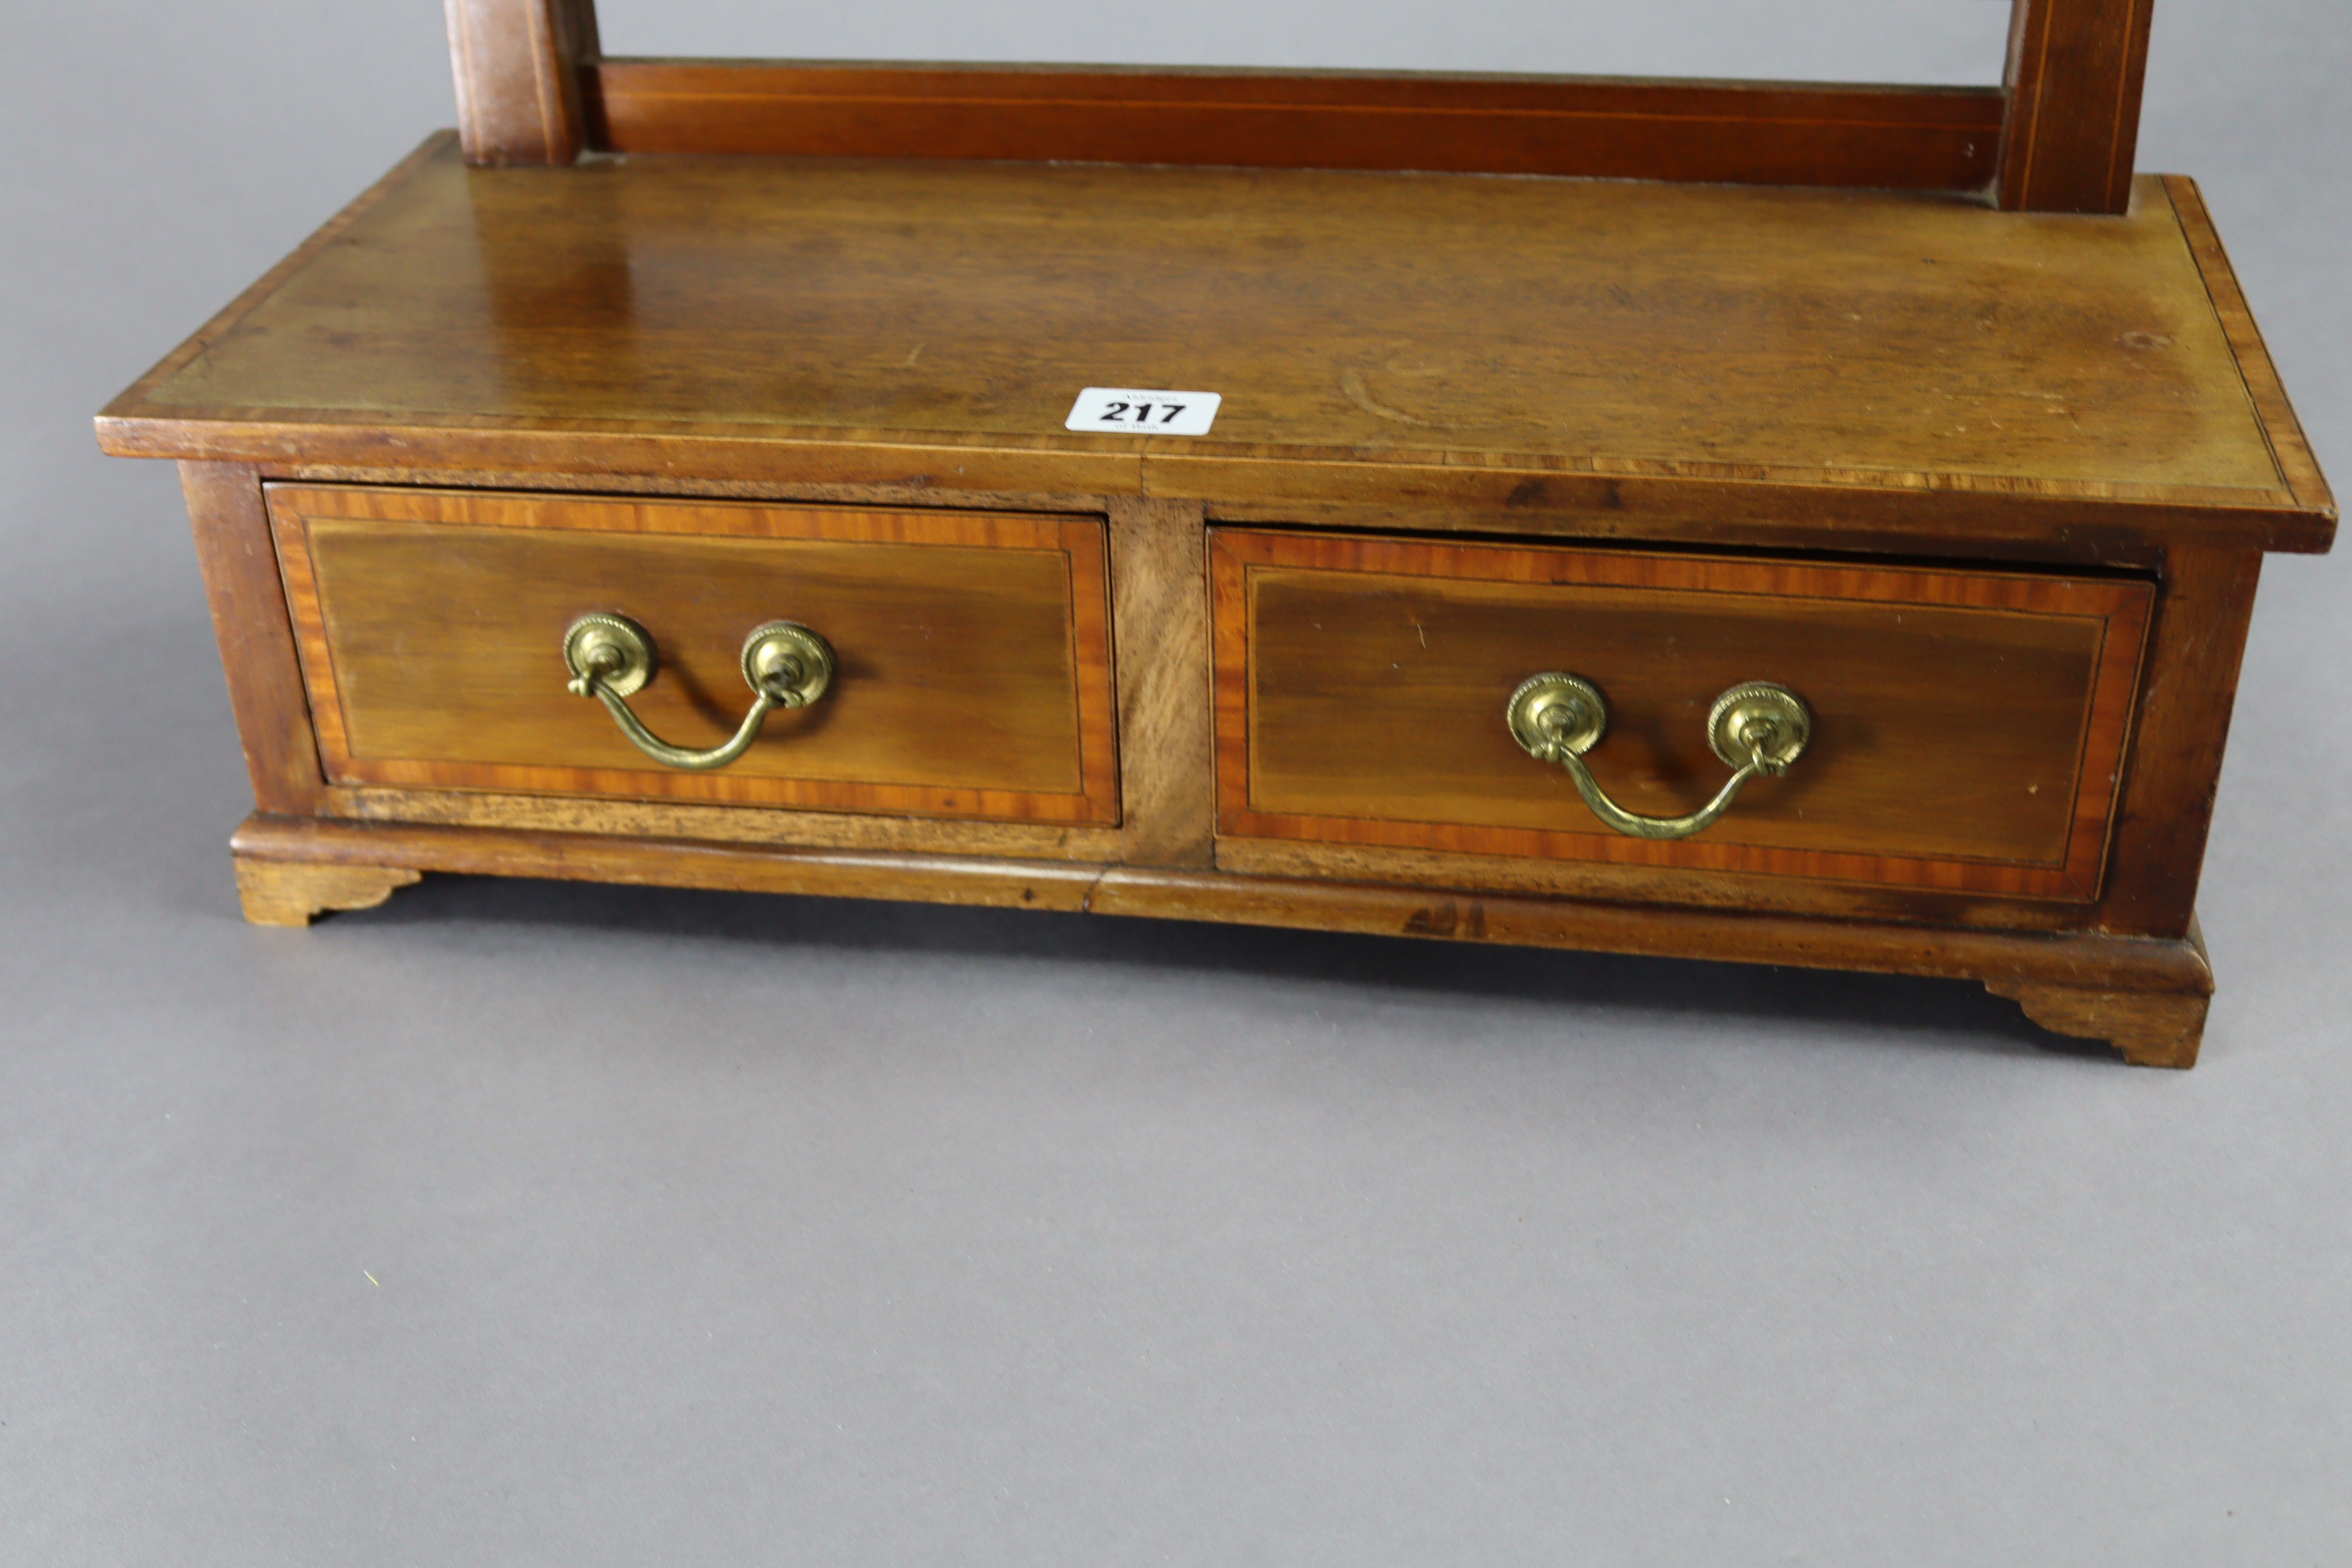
column 2058, row 135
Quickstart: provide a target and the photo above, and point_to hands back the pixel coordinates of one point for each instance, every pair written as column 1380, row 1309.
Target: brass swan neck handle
column 611, row 659
column 1755, row 728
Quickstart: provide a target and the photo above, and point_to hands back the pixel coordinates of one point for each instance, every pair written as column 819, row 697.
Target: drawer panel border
column 2123, row 604
column 1080, row 538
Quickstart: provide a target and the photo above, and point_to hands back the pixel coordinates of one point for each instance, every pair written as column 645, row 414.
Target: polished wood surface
column 1960, row 526
column 1934, row 139
column 2290, row 449
column 2157, row 847
column 675, row 863
column 1159, row 565
column 2104, row 966
column 239, row 562
column 2179, row 722
column 1533, row 346
column 1968, row 726
column 2187, row 696
column 2074, row 80
column 517, row 64
column 1629, row 882
column 768, row 824
column 974, row 675
column 2057, row 136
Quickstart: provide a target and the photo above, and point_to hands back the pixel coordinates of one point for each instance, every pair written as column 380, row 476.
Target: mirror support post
column 518, row 86
column 2075, row 73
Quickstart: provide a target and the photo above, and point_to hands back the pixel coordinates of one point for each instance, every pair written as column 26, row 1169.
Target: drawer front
column 972, row 650
column 1968, row 727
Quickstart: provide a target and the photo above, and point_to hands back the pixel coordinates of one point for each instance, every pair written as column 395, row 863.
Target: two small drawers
column 1967, row 727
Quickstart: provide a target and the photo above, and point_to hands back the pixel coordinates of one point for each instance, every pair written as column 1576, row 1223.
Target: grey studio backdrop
column 518, row 1224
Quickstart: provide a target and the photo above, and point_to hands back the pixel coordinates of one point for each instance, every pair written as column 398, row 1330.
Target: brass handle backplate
column 611, row 659
column 1755, row 728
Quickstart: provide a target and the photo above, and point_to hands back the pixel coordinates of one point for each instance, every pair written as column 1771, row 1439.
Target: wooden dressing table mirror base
column 1827, row 540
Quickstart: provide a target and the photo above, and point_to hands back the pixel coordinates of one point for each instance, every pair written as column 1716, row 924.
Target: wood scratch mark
column 1360, row 395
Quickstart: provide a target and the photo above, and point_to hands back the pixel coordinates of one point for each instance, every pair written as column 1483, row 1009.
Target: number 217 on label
column 1130, row 411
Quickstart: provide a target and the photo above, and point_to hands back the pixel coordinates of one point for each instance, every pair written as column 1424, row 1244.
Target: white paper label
column 1127, row 411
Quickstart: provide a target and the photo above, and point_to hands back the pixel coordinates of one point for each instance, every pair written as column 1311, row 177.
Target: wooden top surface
column 1876, row 341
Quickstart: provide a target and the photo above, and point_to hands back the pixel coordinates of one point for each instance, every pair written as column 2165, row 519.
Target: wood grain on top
column 1362, row 322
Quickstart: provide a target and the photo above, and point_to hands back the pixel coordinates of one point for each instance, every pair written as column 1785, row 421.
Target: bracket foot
column 2152, row 1029
column 294, row 892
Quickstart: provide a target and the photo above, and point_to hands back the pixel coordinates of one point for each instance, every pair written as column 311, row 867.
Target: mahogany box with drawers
column 1829, row 539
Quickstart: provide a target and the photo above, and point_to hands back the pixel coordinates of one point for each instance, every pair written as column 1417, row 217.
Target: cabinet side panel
column 257, row 636
column 2195, row 649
